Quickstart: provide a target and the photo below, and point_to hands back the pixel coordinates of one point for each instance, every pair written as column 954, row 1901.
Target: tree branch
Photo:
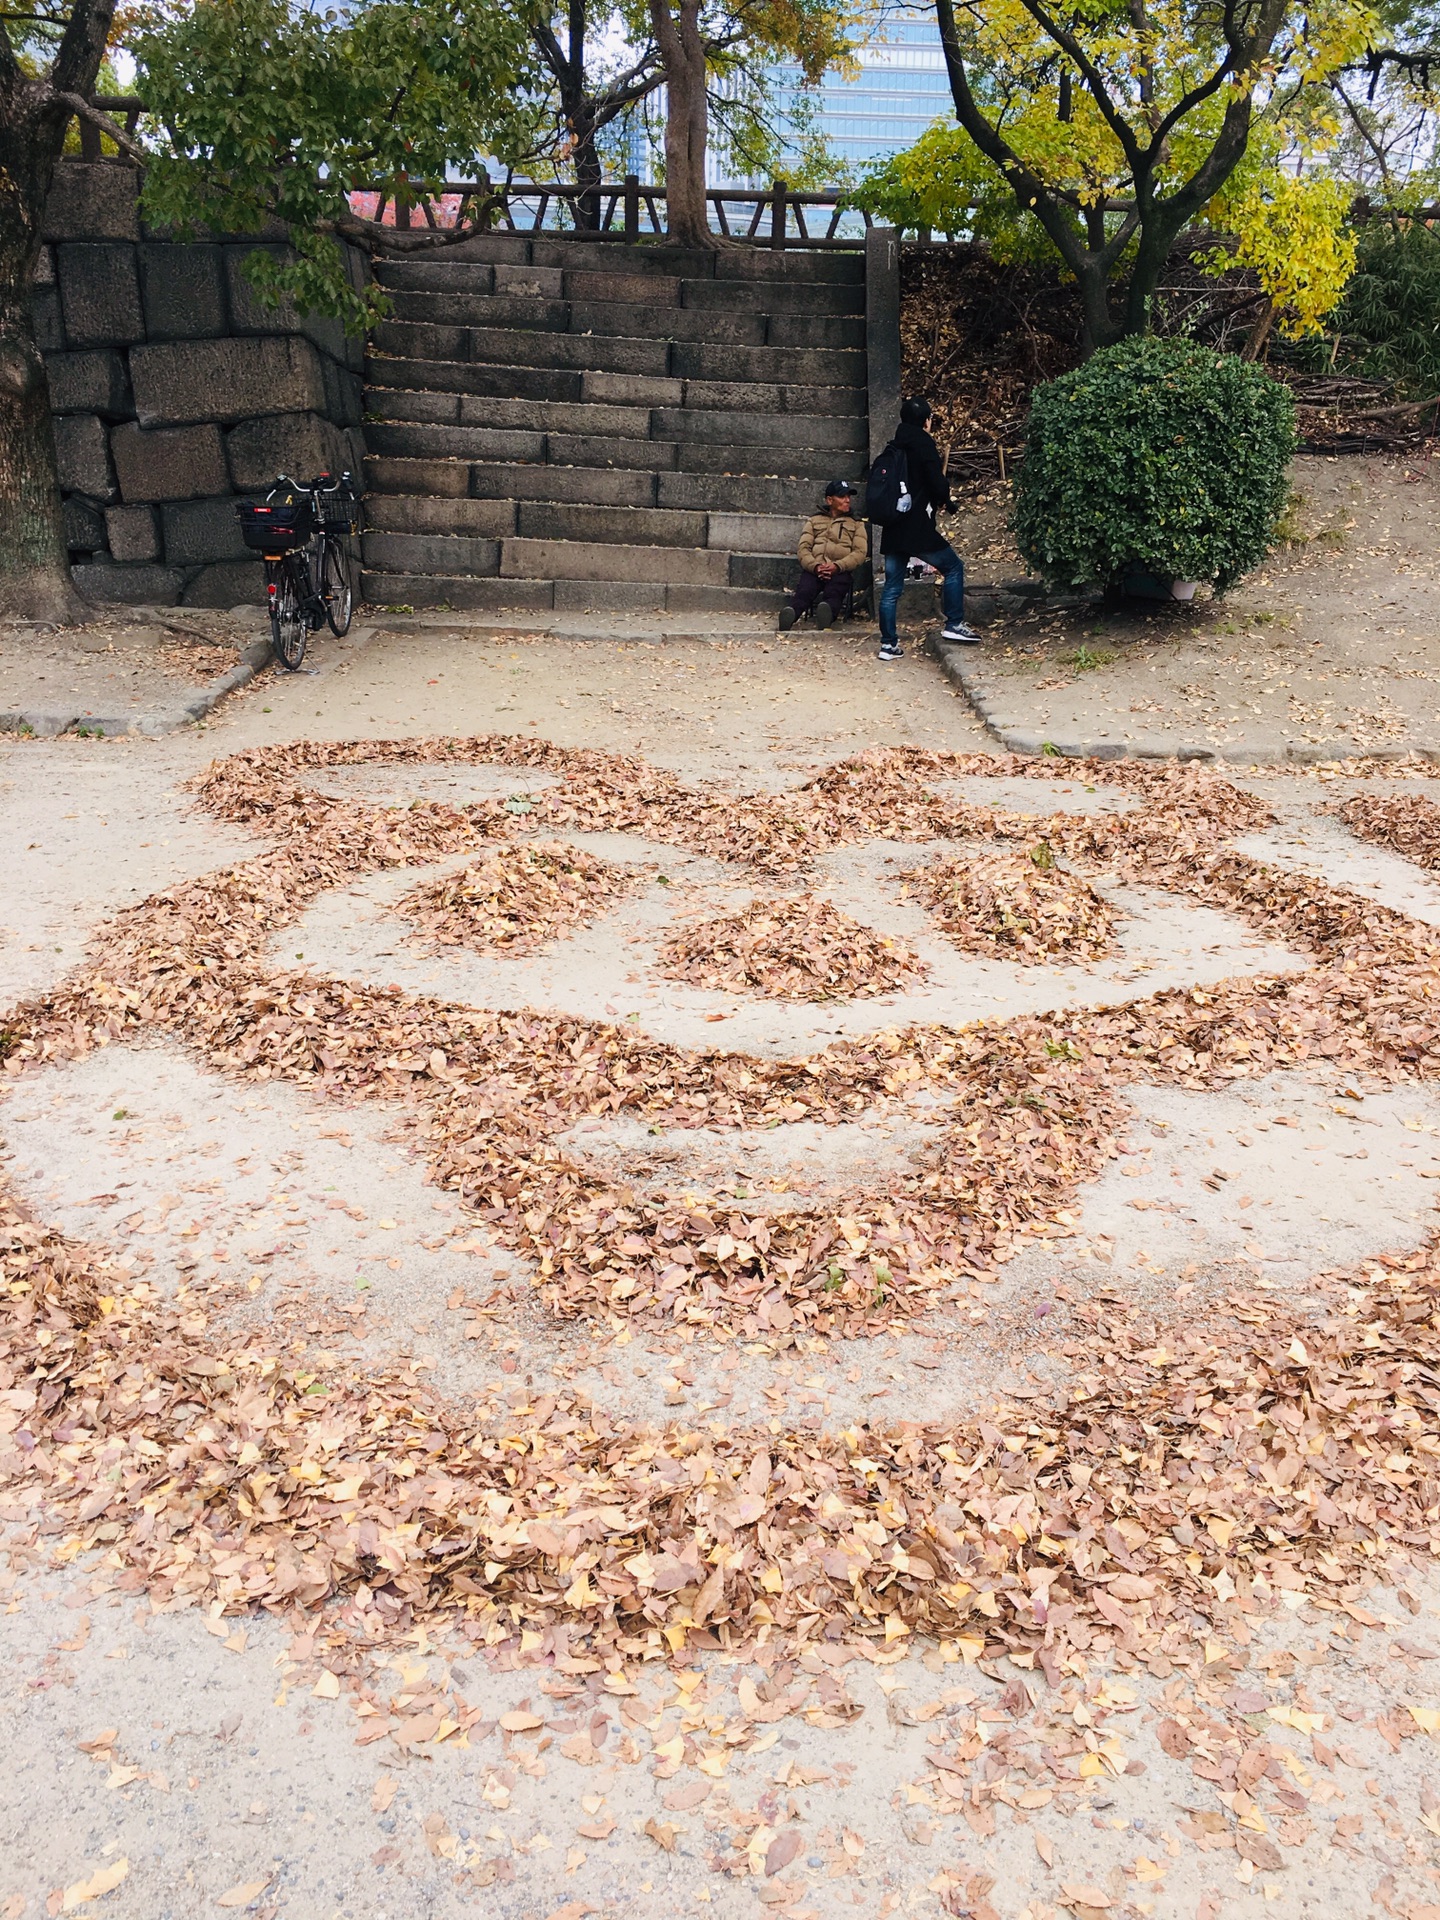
column 1094, row 80
column 83, row 110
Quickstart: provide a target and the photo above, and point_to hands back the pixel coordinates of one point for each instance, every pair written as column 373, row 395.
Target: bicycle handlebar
column 314, row 486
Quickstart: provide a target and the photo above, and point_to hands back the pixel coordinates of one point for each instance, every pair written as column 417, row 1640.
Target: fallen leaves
column 104, row 1880
column 515, row 899
column 800, row 948
column 191, row 1452
column 1408, row 822
column 242, row 1895
column 1015, row 906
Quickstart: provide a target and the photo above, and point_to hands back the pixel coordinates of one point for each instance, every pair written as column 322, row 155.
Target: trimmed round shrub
column 1157, row 457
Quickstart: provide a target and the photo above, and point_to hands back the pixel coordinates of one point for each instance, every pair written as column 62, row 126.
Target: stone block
column 300, row 444
column 250, row 314
column 93, row 382
column 82, row 455
column 584, row 560
column 138, row 586
column 608, row 596
column 44, row 274
column 132, row 533
column 596, row 486
column 225, row 380
column 598, row 450
column 100, row 293
column 631, row 390
column 448, row 478
column 617, row 526
column 774, row 570
column 45, row 317
column 198, row 532
column 544, row 283
column 450, row 554
column 756, row 532
column 93, row 201
column 185, row 463
column 419, row 513
column 229, row 583
column 182, row 287
column 84, row 525
column 344, row 394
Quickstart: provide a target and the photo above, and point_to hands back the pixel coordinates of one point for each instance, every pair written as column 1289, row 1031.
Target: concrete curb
column 960, row 665
column 46, row 726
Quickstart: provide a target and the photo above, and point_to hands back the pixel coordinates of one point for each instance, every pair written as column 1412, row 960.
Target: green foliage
column 266, row 111
column 1157, row 455
column 1387, row 327
column 945, row 183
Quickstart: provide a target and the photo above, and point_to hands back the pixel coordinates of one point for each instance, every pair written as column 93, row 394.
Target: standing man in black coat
column 914, row 535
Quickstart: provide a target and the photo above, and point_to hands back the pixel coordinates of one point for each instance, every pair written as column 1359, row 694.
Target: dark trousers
column 810, row 587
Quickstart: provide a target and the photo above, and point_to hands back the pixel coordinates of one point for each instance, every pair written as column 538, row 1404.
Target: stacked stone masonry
column 173, row 392
column 554, row 423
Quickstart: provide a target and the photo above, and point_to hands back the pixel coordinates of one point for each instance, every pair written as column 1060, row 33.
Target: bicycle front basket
column 340, row 512
column 276, row 526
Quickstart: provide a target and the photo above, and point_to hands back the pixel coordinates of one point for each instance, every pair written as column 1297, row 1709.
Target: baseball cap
column 832, row 487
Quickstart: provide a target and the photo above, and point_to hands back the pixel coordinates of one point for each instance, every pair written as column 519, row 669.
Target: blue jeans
column 946, row 562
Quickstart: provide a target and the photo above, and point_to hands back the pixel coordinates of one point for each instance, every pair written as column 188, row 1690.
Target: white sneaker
column 960, row 635
column 889, row 651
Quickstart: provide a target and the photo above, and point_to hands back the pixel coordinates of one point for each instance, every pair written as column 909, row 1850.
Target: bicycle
column 300, row 530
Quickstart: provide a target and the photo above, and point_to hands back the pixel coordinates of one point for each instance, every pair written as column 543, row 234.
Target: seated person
column 832, row 546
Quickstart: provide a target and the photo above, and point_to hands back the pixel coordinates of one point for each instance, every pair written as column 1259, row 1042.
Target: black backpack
column 887, row 491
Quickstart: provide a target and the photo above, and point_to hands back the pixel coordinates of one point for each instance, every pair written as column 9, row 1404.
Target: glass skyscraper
column 900, row 90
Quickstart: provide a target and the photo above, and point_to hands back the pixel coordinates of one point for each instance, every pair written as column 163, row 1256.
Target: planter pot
column 1140, row 585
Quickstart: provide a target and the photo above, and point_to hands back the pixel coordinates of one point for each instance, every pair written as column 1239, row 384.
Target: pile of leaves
column 517, row 898
column 1198, row 1469
column 791, row 949
column 1033, row 1106
column 1406, row 822
column 1015, row 906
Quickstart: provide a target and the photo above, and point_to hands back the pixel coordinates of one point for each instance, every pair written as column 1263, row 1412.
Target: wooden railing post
column 777, row 214
column 403, row 201
column 632, row 206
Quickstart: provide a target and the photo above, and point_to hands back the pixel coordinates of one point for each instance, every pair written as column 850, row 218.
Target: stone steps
column 566, row 425
column 601, row 386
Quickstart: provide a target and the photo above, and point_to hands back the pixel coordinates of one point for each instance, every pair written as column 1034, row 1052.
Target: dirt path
column 171, row 1759
column 1332, row 645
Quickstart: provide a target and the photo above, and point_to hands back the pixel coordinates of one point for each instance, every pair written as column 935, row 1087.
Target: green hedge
column 1156, row 456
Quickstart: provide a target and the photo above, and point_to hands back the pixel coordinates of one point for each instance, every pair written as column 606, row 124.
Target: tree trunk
column 35, row 578
column 682, row 53
column 34, row 567
column 588, row 171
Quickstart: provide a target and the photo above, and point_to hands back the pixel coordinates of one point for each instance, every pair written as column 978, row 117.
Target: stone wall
column 173, row 391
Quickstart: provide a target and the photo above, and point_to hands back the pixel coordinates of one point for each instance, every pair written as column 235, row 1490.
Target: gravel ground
column 211, row 1757
column 1334, row 641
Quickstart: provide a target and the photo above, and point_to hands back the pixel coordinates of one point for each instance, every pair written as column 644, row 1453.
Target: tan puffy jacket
column 838, row 538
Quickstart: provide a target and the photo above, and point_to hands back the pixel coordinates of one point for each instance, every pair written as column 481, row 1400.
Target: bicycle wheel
column 337, row 586
column 289, row 627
